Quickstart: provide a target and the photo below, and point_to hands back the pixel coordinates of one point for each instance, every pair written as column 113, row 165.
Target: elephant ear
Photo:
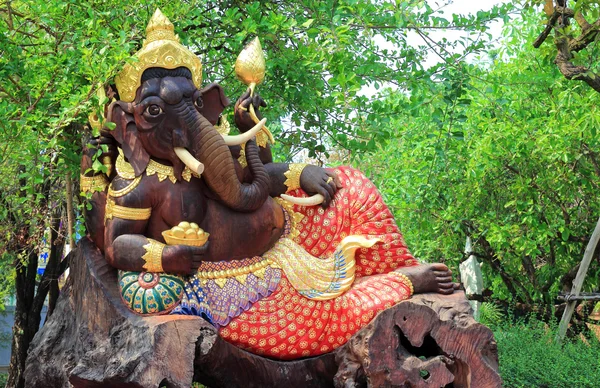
column 126, row 134
column 214, row 101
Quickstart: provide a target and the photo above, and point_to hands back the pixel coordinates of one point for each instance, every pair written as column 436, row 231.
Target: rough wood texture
column 92, row 340
column 428, row 341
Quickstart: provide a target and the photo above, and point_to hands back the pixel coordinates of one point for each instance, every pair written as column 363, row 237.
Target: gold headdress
column 161, row 48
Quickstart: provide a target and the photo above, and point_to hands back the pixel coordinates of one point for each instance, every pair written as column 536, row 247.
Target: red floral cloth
column 287, row 325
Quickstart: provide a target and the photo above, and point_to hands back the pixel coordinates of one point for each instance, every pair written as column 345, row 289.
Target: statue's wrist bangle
column 405, row 280
column 91, row 184
column 293, row 175
column 153, row 256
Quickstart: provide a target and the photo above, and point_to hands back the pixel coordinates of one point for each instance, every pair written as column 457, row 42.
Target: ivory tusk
column 244, row 137
column 316, row 199
column 188, row 159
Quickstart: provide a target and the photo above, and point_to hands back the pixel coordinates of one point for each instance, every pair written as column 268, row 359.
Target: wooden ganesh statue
column 275, row 278
column 198, row 222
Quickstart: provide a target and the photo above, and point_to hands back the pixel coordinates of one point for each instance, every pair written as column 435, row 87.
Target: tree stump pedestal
column 93, row 340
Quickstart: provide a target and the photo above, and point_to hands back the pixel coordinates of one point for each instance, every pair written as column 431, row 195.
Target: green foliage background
column 503, row 150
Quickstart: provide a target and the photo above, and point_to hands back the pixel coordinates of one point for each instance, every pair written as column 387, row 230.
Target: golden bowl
column 194, row 242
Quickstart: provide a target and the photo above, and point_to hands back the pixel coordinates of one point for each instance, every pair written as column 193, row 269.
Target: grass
column 529, row 357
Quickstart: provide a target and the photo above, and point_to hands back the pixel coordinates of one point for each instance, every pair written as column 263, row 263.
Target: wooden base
column 92, row 340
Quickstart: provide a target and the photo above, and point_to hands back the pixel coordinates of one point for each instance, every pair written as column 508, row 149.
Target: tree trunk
column 25, row 287
column 29, row 303
column 92, row 340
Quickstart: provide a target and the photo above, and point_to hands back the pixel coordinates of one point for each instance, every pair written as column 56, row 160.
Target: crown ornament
column 161, row 48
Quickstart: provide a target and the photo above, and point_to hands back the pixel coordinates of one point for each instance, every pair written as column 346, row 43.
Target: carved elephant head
column 171, row 120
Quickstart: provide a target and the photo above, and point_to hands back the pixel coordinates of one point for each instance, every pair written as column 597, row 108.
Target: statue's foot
column 430, row 278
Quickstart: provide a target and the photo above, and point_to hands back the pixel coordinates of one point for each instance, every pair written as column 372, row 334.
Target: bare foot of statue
column 430, row 278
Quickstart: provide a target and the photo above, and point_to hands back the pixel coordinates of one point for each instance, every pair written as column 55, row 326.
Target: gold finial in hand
column 250, row 69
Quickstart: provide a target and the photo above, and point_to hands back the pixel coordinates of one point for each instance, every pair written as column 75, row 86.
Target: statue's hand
column 317, row 180
column 183, row 259
column 242, row 117
column 107, row 147
column 107, row 144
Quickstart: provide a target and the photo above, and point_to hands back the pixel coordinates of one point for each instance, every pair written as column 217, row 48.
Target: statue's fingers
column 330, row 189
column 330, row 180
column 195, row 265
column 246, row 94
column 258, row 101
column 105, row 140
column 246, row 103
column 446, row 279
column 336, row 179
column 200, row 251
column 333, row 187
column 327, row 198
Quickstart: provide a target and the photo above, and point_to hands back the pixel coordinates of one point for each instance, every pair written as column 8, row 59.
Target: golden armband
column 91, row 184
column 293, row 175
column 405, row 280
column 153, row 256
column 125, row 213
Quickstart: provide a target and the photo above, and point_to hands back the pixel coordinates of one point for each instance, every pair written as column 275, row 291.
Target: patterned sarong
column 268, row 316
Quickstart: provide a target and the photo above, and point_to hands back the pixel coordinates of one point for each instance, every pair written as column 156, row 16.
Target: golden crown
column 161, row 48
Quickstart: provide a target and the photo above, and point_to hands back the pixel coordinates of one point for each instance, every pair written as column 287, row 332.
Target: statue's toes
column 441, row 267
column 446, row 290
column 444, row 279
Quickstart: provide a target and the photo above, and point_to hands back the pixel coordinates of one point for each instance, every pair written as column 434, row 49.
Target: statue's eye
column 154, row 110
column 199, row 103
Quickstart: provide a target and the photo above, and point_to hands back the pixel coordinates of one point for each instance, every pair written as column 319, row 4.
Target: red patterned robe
column 287, row 325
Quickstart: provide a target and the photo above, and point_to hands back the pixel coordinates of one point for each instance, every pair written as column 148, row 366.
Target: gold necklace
column 125, row 170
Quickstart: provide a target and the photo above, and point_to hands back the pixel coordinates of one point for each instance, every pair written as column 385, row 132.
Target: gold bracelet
column 405, row 280
column 91, row 184
column 293, row 175
column 125, row 213
column 153, row 256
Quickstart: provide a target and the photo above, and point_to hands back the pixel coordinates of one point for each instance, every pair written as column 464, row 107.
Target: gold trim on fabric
column 240, row 272
column 293, row 176
column 126, row 190
column 153, row 256
column 318, row 278
column 125, row 213
column 295, row 217
column 405, row 280
column 91, row 184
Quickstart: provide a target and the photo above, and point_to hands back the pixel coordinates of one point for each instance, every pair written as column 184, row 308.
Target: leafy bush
column 490, row 314
column 529, row 357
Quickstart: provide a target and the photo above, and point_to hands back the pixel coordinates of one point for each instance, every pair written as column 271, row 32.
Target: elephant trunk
column 209, row 148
